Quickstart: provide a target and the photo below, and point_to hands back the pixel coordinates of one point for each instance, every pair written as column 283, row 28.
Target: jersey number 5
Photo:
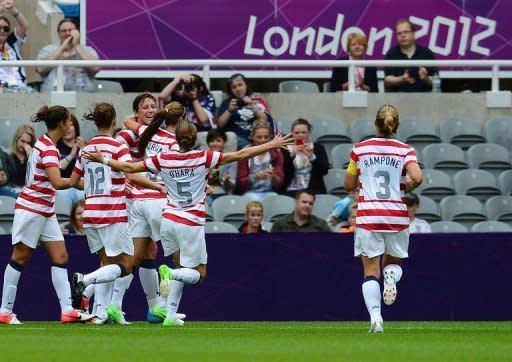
column 181, row 186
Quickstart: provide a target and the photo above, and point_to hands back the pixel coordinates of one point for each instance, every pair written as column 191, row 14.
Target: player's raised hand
column 280, row 141
column 95, row 155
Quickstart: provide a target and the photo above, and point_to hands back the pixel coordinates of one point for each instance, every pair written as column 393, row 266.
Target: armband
column 352, row 168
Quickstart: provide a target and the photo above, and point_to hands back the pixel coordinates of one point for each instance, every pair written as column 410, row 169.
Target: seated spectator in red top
column 253, row 217
column 261, row 176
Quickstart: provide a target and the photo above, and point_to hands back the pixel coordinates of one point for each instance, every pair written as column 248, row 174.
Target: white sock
column 102, row 298
column 397, row 270
column 173, row 300
column 186, row 275
column 11, row 278
column 62, row 288
column 150, row 285
column 119, row 289
column 371, row 295
column 88, row 291
column 107, row 273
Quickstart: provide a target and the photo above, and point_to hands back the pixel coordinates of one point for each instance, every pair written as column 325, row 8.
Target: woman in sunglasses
column 11, row 39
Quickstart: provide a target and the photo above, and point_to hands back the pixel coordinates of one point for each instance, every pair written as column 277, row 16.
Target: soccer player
column 383, row 168
column 35, row 220
column 144, row 108
column 105, row 215
column 182, row 230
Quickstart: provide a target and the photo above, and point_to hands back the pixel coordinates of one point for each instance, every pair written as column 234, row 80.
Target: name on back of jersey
column 382, row 160
column 181, row 172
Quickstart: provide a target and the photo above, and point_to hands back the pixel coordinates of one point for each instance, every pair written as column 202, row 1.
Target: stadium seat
column 209, row 213
column 6, row 211
column 428, row 210
column 490, row 227
column 436, row 185
column 230, row 208
column 499, row 208
column 340, row 155
column 88, row 130
column 62, row 209
column 477, row 183
column 448, row 227
column 266, row 225
column 40, row 128
column 108, row 86
column 418, row 133
column 213, row 227
column 326, row 87
column 334, row 182
column 362, row 129
column 329, row 132
column 8, row 127
column 298, row 86
column 277, row 206
column 444, row 156
column 323, row 205
column 498, row 130
column 461, row 131
column 3, row 231
column 464, row 209
column 490, row 157
column 505, row 182
column 285, row 124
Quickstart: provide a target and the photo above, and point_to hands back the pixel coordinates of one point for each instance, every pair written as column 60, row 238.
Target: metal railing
column 207, row 64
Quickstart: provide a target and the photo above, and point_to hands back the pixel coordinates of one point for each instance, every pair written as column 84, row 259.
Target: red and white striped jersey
column 184, row 175
column 381, row 165
column 38, row 195
column 105, row 202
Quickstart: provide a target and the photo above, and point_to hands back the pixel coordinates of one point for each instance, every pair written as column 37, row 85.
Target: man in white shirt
column 416, row 225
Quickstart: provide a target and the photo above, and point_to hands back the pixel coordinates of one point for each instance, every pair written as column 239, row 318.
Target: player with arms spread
column 182, row 230
column 383, row 168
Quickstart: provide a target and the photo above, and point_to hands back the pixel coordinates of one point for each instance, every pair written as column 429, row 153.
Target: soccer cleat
column 75, row 316
column 165, row 280
column 171, row 322
column 116, row 316
column 181, row 316
column 99, row 321
column 153, row 319
column 389, row 292
column 9, row 318
column 85, row 304
column 77, row 289
column 377, row 327
column 159, row 312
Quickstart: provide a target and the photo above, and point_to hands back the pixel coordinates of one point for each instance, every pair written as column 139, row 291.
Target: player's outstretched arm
column 131, row 123
column 146, row 183
column 58, row 183
column 77, row 181
column 129, row 167
column 249, row 152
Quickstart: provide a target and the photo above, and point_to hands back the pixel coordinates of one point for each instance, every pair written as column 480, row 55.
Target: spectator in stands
column 301, row 219
column 241, row 109
column 351, row 227
column 253, row 218
column 12, row 79
column 191, row 91
column 69, row 146
column 365, row 77
column 341, row 209
column 13, row 166
column 76, row 219
column 220, row 180
column 416, row 225
column 305, row 163
column 408, row 79
column 75, row 78
column 261, row 176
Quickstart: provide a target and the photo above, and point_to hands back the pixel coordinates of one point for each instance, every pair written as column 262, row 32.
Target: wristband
column 105, row 161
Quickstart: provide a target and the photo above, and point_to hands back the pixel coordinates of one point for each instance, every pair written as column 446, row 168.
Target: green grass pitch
column 261, row 341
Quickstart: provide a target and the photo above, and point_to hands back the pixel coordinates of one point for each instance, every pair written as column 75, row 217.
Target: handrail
column 207, row 64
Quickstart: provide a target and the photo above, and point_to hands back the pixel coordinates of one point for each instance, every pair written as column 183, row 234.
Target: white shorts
column 30, row 228
column 114, row 238
column 189, row 240
column 144, row 217
column 375, row 243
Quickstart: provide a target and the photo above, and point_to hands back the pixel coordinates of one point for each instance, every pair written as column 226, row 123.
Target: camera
column 189, row 87
column 240, row 103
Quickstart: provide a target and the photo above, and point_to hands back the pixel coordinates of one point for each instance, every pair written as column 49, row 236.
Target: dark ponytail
column 171, row 115
column 52, row 116
column 103, row 115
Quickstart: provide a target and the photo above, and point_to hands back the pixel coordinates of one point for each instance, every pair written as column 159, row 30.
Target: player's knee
column 60, row 258
column 202, row 276
column 150, row 251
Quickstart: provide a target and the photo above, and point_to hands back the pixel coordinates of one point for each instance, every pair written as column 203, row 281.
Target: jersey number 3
column 384, row 192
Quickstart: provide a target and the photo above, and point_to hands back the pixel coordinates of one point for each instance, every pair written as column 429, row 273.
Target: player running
column 35, row 220
column 185, row 175
column 383, row 168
